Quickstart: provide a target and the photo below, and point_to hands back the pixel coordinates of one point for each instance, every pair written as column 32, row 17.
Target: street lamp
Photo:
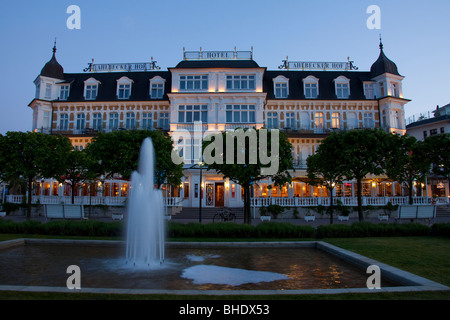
column 201, row 164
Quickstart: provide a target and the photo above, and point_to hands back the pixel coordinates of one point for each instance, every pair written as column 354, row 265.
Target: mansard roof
column 107, row 91
column 326, row 84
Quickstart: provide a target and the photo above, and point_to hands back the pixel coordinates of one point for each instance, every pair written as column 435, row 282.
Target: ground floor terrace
column 211, row 190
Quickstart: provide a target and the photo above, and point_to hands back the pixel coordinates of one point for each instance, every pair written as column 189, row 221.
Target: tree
column 118, row 153
column 76, row 169
column 32, row 155
column 407, row 161
column 363, row 153
column 325, row 167
column 243, row 156
column 438, row 149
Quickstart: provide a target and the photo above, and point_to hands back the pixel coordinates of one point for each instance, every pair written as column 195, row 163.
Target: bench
column 64, row 211
column 310, row 218
column 117, row 216
column 416, row 212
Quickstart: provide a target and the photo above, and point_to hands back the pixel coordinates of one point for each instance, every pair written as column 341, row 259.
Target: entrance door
column 219, row 194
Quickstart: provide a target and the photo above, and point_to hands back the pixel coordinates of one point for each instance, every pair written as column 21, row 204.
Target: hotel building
column 224, row 90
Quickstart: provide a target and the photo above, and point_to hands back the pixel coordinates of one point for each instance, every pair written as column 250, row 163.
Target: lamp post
column 201, row 192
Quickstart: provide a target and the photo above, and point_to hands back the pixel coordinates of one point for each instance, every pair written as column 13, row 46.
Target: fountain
column 145, row 220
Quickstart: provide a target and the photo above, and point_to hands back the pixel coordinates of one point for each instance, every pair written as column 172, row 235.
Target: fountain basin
column 298, row 267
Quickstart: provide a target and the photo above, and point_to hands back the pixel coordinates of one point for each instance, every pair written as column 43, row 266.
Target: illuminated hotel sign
column 318, row 66
column 217, row 55
column 121, row 67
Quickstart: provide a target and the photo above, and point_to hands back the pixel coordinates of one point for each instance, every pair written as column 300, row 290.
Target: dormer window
column 124, row 91
column 156, row 87
column 368, row 90
column 342, row 87
column 281, row 87
column 311, row 87
column 64, row 92
column 124, row 88
column 91, row 89
column 91, row 92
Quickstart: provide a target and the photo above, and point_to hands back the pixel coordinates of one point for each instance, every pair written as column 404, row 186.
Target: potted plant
column 275, row 210
column 264, row 215
column 309, row 216
column 388, row 208
column 344, row 211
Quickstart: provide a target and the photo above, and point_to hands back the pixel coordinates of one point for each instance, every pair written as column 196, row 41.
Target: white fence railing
column 84, row 200
column 346, row 201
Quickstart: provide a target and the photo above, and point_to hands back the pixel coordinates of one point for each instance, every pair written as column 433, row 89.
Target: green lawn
column 428, row 257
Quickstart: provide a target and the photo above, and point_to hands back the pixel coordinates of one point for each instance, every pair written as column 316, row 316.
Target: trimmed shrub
column 441, row 229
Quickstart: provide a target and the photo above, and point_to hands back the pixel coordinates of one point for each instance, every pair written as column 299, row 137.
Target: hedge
column 278, row 230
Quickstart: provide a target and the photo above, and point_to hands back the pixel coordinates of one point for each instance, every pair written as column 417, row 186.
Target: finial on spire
column 54, row 47
column 381, row 43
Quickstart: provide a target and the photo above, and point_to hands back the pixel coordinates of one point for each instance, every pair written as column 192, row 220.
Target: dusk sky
column 416, row 36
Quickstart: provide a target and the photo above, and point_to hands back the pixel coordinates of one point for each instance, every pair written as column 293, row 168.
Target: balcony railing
column 346, row 201
column 84, row 200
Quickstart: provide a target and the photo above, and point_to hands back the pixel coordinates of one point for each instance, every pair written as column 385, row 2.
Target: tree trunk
column 331, row 205
column 359, row 196
column 30, row 182
column 247, row 211
column 410, row 193
column 73, row 193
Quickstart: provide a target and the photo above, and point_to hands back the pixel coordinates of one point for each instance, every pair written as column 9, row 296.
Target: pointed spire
column 381, row 43
column 54, row 47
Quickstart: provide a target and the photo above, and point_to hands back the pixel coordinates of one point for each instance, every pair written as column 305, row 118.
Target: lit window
column 194, row 82
column 394, row 89
column 318, row 120
column 335, row 120
column 241, row 82
column 236, row 113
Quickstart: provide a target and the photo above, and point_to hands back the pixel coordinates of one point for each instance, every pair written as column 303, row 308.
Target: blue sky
column 416, row 36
